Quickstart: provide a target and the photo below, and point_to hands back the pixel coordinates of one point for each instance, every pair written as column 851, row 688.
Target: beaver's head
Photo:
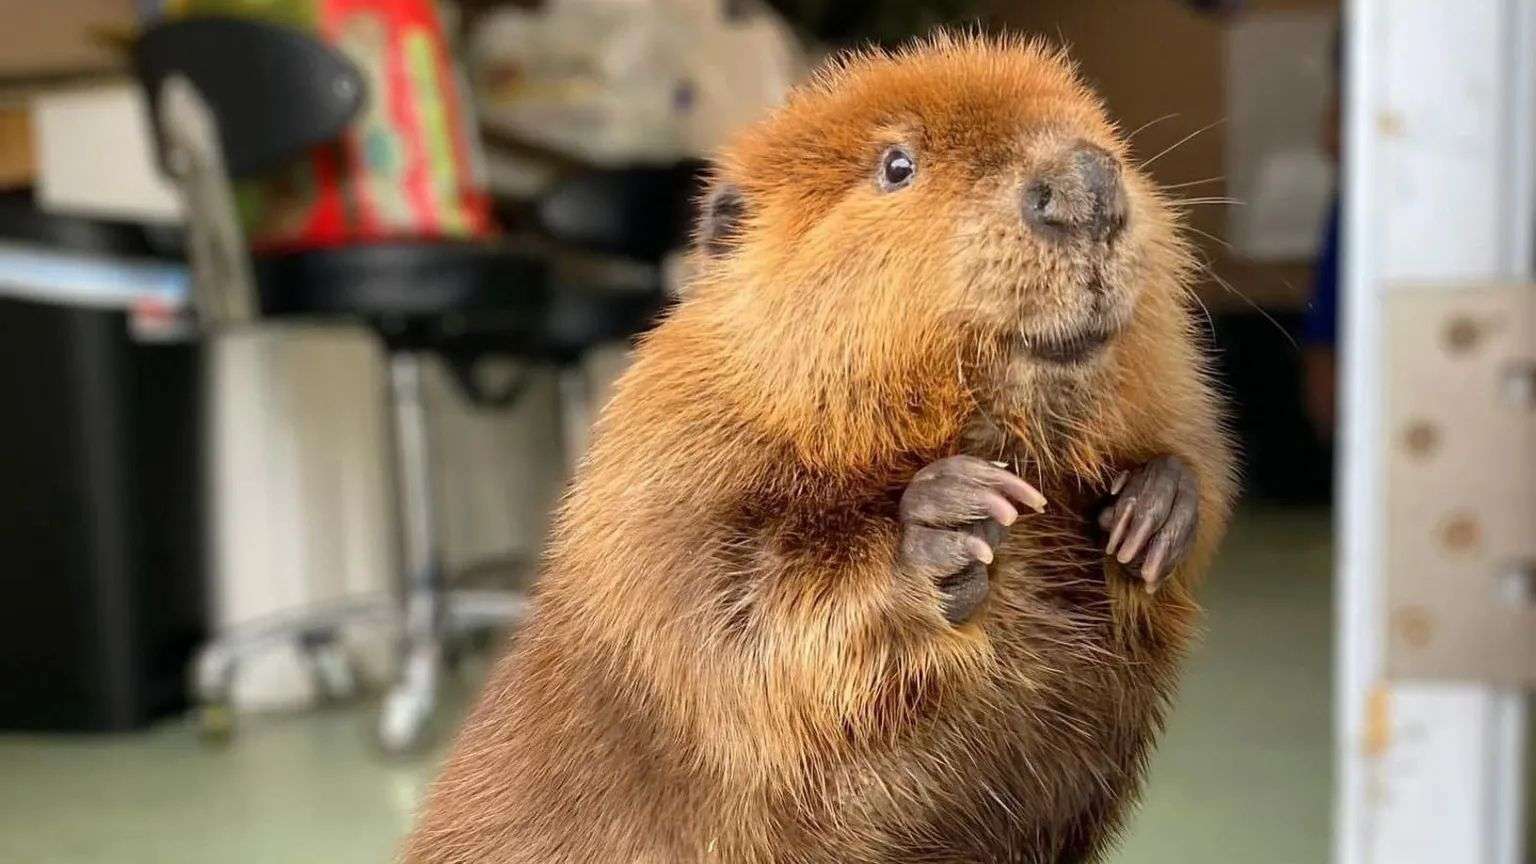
column 960, row 209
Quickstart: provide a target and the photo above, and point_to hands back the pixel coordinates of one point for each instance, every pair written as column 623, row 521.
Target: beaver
column 885, row 545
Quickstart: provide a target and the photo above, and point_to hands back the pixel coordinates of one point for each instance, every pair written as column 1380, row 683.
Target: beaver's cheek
column 1124, row 282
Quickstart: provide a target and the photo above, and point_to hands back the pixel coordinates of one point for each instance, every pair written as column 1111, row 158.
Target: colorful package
column 408, row 166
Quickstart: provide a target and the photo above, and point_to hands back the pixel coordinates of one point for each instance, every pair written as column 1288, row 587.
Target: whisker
column 1210, row 322
column 1147, row 125
column 1195, row 202
column 1209, row 269
column 1189, row 183
column 1182, row 141
column 1222, row 241
column 1211, row 272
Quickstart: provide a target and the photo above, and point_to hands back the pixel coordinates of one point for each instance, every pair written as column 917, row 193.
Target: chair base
column 411, row 702
column 316, row 630
column 431, row 622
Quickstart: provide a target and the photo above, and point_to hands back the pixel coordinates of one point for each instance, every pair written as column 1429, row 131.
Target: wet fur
column 724, row 664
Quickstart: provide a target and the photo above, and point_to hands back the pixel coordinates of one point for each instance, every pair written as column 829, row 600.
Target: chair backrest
column 274, row 91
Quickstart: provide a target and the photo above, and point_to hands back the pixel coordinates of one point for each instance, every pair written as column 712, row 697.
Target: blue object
column 51, row 275
column 1320, row 320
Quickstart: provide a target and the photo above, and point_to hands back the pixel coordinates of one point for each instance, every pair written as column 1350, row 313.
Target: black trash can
column 101, row 584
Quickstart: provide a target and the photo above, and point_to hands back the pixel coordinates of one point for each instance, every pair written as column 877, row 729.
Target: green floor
column 1243, row 774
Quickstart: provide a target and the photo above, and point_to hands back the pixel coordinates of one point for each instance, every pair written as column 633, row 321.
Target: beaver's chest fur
column 1038, row 762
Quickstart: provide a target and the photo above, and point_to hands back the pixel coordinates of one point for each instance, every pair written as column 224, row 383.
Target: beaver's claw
column 953, row 514
column 1152, row 519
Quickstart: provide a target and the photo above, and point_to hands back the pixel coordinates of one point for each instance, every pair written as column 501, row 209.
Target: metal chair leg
column 411, row 702
column 433, row 614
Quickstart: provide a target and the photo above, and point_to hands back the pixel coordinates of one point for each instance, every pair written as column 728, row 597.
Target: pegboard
column 1459, row 439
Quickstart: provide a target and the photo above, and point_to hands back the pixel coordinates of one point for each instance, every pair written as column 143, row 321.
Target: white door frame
column 1439, row 119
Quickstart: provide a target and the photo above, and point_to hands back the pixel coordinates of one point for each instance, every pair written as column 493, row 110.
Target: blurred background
column 306, row 306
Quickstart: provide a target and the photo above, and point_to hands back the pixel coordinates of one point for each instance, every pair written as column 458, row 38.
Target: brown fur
column 725, row 664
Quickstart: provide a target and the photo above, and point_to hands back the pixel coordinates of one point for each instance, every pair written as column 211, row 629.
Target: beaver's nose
column 1080, row 194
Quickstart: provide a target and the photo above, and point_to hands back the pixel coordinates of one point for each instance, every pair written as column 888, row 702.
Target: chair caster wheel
column 335, row 673
column 408, row 709
column 403, row 721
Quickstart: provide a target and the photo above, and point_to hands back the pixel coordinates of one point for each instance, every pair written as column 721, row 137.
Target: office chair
column 236, row 98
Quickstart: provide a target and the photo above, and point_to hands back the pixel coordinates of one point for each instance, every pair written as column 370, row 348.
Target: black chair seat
column 455, row 298
column 422, row 294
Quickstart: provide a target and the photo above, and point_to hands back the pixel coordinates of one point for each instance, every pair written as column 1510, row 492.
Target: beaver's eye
column 897, row 168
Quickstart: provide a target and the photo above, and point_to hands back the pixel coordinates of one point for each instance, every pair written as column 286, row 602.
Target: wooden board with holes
column 1460, row 439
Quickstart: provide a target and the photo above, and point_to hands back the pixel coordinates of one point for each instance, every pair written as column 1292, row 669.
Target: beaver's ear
column 724, row 208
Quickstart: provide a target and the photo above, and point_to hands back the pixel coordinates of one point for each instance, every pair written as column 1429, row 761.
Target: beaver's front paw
column 952, row 515
column 1152, row 520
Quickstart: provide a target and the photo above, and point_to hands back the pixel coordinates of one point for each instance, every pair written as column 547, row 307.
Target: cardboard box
column 18, row 160
column 95, row 154
column 62, row 38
